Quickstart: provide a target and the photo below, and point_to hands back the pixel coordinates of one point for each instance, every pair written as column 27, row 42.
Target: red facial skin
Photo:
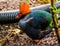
column 19, row 16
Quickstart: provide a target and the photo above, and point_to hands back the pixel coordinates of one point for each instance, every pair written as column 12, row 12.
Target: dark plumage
column 36, row 22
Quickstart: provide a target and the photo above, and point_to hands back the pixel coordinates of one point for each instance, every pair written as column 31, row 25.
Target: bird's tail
column 45, row 33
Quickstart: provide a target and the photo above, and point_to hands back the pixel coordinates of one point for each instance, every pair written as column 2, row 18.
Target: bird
column 36, row 23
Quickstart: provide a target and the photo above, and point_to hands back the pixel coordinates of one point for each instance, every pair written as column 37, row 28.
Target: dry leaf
column 16, row 31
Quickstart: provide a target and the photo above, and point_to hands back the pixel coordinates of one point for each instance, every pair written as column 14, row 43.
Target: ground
column 7, row 38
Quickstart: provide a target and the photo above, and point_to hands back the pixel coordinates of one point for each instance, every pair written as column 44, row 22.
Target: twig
column 55, row 19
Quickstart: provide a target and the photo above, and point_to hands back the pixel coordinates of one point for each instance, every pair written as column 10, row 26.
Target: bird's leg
column 38, row 41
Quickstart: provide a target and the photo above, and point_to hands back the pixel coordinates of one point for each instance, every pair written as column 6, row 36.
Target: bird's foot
column 38, row 41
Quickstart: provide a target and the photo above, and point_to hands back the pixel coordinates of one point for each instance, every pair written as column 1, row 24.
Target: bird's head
column 24, row 9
